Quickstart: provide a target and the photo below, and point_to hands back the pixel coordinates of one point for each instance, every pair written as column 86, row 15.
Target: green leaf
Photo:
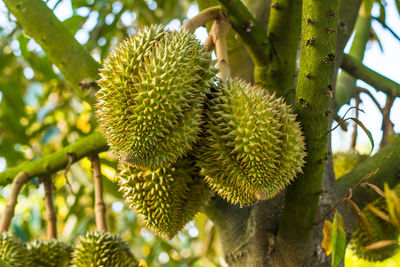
column 327, row 241
column 338, row 240
column 368, row 133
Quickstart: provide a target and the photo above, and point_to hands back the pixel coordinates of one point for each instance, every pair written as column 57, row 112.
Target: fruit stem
column 206, row 15
column 217, row 36
column 51, row 215
column 100, row 207
column 19, row 181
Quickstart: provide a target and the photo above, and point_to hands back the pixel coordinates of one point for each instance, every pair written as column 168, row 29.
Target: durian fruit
column 13, row 251
column 166, row 198
column 152, row 90
column 381, row 230
column 253, row 147
column 103, row 249
column 344, row 162
column 49, row 253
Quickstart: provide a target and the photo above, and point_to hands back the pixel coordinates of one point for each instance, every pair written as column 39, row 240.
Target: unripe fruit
column 49, row 253
column 152, row 90
column 381, row 230
column 253, row 146
column 102, row 249
column 166, row 198
column 13, row 251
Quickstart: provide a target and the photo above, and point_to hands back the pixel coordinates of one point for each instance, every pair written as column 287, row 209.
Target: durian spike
column 51, row 215
column 206, row 15
column 99, row 206
column 20, row 180
column 218, row 33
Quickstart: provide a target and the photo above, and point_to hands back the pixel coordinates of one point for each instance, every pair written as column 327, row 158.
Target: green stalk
column 47, row 165
column 252, row 34
column 283, row 31
column 317, row 60
column 376, row 80
column 346, row 84
column 56, row 40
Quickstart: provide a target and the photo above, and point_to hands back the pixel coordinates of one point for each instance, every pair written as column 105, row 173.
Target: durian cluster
column 381, row 230
column 44, row 253
column 175, row 129
column 94, row 249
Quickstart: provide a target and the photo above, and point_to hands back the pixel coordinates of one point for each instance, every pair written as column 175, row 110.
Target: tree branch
column 206, row 15
column 376, row 80
column 283, row 32
column 253, row 36
column 86, row 146
column 51, row 215
column 20, row 180
column 387, row 161
column 99, row 206
column 385, row 26
column 346, row 84
column 317, row 62
column 57, row 41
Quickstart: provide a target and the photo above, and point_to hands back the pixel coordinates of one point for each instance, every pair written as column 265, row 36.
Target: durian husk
column 49, row 253
column 253, row 146
column 381, row 230
column 103, row 249
column 153, row 86
column 165, row 198
column 13, row 251
column 344, row 162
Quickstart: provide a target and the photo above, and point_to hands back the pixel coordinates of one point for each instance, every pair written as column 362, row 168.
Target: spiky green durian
column 152, row 90
column 253, row 147
column 49, row 253
column 344, row 162
column 381, row 230
column 165, row 198
column 13, row 251
column 104, row 249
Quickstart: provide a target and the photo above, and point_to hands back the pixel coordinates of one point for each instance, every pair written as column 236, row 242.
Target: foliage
column 40, row 113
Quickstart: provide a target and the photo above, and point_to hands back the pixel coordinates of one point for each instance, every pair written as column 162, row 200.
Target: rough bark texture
column 317, row 59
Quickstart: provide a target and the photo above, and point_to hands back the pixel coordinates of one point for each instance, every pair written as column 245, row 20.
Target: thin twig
column 365, row 91
column 20, row 180
column 387, row 125
column 384, row 25
column 202, row 18
column 100, row 207
column 51, row 215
